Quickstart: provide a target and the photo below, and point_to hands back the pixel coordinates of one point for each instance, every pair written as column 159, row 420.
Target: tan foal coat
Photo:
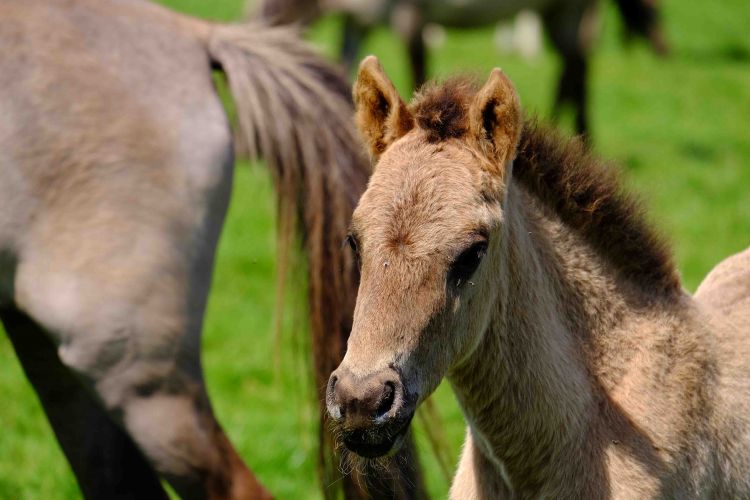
column 508, row 260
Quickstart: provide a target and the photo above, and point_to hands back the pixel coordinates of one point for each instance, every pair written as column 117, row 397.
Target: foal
column 509, row 261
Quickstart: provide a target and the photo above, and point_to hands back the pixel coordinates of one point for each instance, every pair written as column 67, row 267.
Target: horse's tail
column 295, row 111
column 642, row 18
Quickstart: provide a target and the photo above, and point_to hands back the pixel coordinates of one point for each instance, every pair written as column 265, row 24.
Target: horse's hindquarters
column 121, row 161
column 725, row 298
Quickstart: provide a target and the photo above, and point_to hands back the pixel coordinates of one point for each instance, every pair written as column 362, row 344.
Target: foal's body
column 611, row 390
column 527, row 278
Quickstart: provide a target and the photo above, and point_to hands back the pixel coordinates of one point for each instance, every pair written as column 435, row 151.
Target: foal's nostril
column 335, row 410
column 389, row 396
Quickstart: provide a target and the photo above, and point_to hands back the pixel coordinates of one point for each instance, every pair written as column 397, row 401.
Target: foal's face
column 425, row 237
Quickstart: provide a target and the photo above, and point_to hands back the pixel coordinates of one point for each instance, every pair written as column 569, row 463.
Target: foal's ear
column 495, row 118
column 382, row 117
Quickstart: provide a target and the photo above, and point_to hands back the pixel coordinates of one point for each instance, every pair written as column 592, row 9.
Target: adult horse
column 116, row 162
column 570, row 25
column 500, row 256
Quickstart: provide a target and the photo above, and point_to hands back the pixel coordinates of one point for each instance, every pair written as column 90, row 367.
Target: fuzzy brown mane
column 588, row 196
column 583, row 191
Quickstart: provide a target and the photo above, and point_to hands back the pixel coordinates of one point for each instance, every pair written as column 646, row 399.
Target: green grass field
column 679, row 128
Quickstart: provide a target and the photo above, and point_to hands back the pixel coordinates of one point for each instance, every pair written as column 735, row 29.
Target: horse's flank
column 582, row 367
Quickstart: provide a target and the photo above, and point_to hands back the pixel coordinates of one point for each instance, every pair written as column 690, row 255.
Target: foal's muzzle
column 373, row 412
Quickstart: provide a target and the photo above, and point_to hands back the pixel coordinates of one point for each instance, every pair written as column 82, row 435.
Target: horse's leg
column 104, row 459
column 134, row 349
column 642, row 17
column 353, row 37
column 565, row 25
column 407, row 21
column 418, row 57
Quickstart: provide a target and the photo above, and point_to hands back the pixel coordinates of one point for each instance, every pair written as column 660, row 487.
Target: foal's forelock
column 441, row 110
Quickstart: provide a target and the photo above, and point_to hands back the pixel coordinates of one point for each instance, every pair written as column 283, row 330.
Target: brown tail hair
column 295, row 111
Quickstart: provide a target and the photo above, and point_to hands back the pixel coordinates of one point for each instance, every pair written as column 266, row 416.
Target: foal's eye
column 351, row 240
column 465, row 264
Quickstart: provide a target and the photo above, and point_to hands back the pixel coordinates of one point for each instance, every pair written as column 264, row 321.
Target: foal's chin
column 378, row 440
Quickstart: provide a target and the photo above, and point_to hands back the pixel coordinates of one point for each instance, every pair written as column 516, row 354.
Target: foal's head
column 425, row 235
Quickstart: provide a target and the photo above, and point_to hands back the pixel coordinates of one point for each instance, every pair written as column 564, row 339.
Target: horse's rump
column 727, row 287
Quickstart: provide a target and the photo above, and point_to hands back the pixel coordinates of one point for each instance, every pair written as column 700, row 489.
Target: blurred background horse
column 115, row 173
column 570, row 24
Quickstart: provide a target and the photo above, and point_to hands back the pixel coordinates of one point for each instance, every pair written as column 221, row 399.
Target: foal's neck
column 527, row 390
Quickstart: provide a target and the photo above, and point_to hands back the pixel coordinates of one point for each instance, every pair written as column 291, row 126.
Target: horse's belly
column 472, row 13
